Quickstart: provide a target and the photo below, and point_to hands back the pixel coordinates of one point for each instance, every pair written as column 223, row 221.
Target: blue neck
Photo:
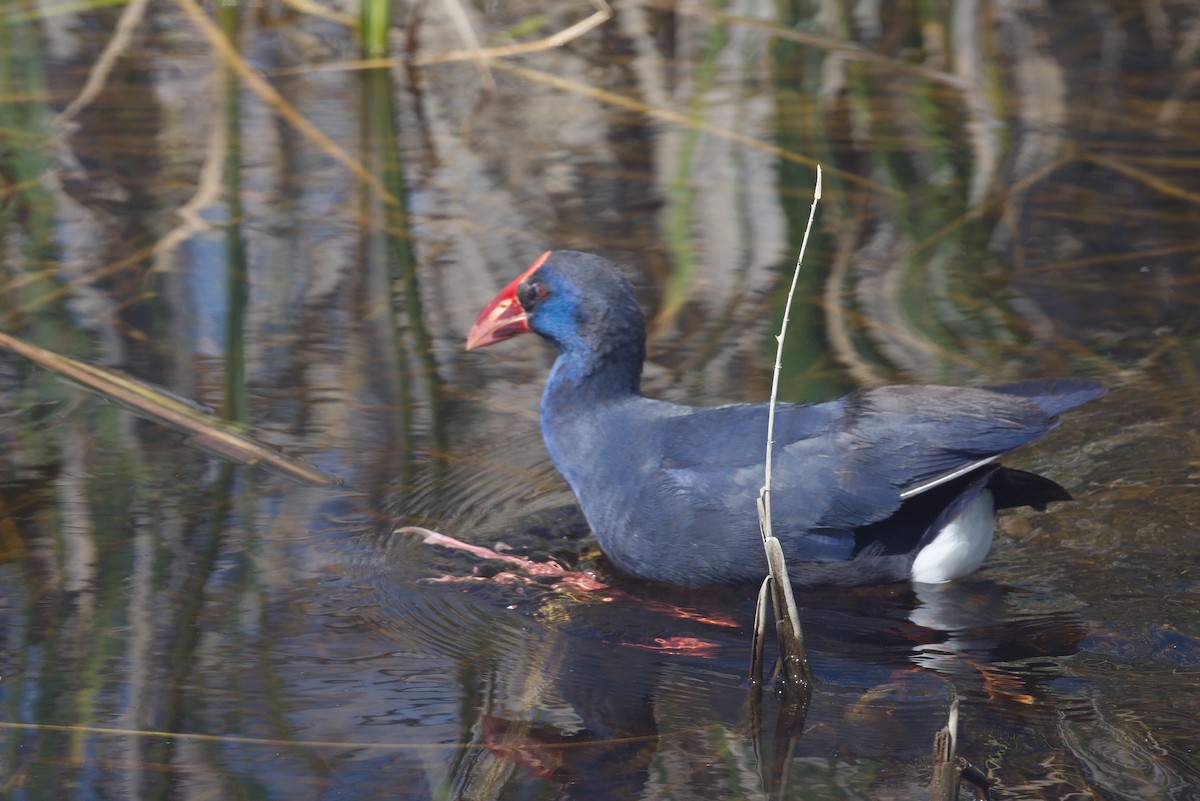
column 584, row 375
column 583, row 388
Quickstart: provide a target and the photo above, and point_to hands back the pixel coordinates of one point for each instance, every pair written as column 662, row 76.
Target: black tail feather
column 1013, row 488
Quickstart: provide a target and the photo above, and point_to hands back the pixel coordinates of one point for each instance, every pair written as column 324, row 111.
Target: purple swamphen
column 883, row 485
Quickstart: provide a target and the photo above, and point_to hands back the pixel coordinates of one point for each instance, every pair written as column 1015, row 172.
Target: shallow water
column 1010, row 192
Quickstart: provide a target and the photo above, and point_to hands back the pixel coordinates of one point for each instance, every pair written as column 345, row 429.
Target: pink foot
column 568, row 578
column 526, row 572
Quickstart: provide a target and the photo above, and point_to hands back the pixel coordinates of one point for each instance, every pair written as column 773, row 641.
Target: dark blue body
column 860, row 484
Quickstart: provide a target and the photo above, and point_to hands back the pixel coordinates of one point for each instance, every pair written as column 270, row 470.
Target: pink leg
column 576, row 580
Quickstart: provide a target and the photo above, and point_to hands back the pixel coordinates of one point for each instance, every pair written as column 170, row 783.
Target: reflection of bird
column 882, row 485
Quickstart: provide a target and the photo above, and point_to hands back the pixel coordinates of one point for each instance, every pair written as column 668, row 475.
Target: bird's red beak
column 503, row 318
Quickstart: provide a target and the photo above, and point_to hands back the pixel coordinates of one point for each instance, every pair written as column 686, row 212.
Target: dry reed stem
column 791, row 637
column 611, row 98
column 1149, row 179
column 66, row 289
column 569, row 34
column 269, row 95
column 12, row 190
column 208, row 191
column 779, row 341
column 458, row 15
column 270, row 742
column 947, row 776
column 682, row 119
column 1001, row 198
column 601, row 15
column 849, row 50
column 314, row 9
column 202, row 429
column 130, row 19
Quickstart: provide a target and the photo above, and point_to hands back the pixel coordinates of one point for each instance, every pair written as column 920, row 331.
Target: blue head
column 584, row 305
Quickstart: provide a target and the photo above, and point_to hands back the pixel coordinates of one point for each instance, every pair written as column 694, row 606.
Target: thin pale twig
column 462, row 22
column 130, row 19
column 208, row 191
column 779, row 340
column 269, row 95
column 315, row 9
column 601, row 15
column 788, row 630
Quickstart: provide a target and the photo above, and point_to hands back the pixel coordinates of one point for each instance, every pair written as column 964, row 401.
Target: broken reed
column 777, row 586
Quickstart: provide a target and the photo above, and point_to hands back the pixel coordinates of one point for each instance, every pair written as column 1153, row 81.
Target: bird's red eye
column 530, row 293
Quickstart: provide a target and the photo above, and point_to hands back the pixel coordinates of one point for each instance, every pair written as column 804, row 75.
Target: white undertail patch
column 961, row 546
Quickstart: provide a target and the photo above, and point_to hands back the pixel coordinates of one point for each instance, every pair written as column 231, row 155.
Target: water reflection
column 540, row 715
column 1008, row 195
